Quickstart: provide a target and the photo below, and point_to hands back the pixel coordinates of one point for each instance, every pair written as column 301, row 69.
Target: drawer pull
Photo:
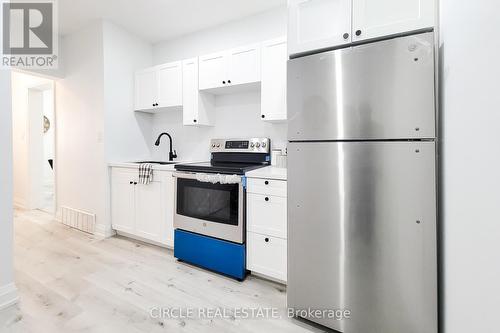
column 267, row 199
column 266, row 182
column 266, row 240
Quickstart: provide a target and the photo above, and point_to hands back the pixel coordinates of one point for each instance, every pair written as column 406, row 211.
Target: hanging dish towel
column 145, row 173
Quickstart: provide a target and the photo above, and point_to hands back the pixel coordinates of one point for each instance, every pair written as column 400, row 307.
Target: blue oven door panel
column 214, row 254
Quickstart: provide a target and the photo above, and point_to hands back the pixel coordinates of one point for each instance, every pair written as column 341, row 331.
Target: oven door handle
column 186, row 175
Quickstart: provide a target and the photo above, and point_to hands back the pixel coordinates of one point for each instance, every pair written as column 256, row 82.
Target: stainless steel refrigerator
column 362, row 186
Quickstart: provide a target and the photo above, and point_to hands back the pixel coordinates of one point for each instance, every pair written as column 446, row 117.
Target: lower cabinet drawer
column 266, row 215
column 266, row 255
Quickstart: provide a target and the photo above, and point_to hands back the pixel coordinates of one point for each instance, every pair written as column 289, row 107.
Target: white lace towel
column 145, row 173
column 218, row 178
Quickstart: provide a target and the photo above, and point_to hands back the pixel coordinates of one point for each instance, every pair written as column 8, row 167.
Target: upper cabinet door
column 170, row 84
column 372, row 19
column 146, row 89
column 243, row 65
column 212, row 69
column 273, row 92
column 318, row 24
column 190, row 91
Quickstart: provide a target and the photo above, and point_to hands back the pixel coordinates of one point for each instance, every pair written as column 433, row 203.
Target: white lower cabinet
column 145, row 211
column 266, row 255
column 267, row 228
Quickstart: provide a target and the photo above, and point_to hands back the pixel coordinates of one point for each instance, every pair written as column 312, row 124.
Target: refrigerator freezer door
column 383, row 90
column 362, row 234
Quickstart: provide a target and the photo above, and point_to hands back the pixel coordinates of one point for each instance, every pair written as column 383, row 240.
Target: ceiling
column 157, row 20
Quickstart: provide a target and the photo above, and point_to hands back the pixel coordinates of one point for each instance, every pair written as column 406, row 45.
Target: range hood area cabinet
column 324, row 24
column 230, row 68
column 198, row 106
column 159, row 87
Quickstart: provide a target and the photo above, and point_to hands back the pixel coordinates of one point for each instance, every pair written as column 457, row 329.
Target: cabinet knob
column 266, row 182
column 131, row 183
column 228, row 81
column 223, row 82
column 266, row 240
column 194, row 120
column 346, row 35
column 267, row 199
column 135, row 183
column 263, row 116
column 154, row 104
column 358, row 32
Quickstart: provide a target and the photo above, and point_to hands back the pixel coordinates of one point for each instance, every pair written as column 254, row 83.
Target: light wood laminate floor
column 69, row 281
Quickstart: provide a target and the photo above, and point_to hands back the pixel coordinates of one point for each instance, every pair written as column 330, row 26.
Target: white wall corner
column 104, row 231
column 19, row 203
column 8, row 296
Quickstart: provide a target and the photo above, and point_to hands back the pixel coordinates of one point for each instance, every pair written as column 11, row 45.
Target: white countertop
column 269, row 172
column 159, row 167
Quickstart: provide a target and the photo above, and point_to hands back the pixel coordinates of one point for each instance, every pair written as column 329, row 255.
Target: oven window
column 207, row 201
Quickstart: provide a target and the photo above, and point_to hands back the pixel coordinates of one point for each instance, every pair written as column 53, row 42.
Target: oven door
column 215, row 210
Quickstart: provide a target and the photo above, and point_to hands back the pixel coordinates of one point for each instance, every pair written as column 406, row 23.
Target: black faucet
column 171, row 154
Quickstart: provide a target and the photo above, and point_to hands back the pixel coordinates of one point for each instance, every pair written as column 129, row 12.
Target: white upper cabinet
column 243, row 65
column 146, row 89
column 321, row 24
column 318, row 24
column 170, row 84
column 197, row 106
column 273, row 75
column 373, row 19
column 158, row 87
column 230, row 68
column 212, row 69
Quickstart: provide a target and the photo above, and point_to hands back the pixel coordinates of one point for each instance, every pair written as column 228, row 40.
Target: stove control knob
column 264, row 145
column 257, row 144
column 218, row 145
column 213, row 145
column 252, row 145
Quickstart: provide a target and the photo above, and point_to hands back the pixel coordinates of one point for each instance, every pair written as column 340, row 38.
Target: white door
column 146, row 89
column 212, row 71
column 244, row 65
column 372, row 19
column 149, row 210
column 123, row 200
column 273, row 91
column 170, row 84
column 190, row 91
column 318, row 24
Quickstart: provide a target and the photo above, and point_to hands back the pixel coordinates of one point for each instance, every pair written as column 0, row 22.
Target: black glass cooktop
column 219, row 167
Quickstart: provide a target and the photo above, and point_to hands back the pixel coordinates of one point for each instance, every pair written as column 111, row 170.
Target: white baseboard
column 8, row 296
column 103, row 231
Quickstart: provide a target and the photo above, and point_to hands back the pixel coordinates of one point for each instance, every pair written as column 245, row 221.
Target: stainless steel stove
column 233, row 156
column 210, row 209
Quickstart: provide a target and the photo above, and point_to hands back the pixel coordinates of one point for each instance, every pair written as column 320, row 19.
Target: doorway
column 33, row 119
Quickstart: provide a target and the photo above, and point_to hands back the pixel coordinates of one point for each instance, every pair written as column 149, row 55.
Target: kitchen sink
column 155, row 162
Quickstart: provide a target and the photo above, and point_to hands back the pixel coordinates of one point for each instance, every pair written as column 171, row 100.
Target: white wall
column 253, row 29
column 7, row 288
column 237, row 115
column 471, row 165
column 80, row 164
column 95, row 119
column 127, row 133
